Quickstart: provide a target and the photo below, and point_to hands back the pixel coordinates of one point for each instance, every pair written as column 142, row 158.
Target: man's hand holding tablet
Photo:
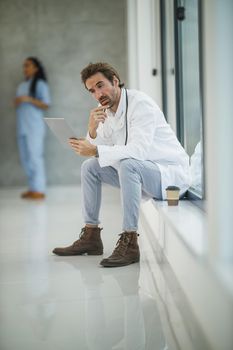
column 83, row 147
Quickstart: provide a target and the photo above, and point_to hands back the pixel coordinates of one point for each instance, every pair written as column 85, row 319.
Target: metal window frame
column 192, row 194
column 178, row 76
column 163, row 55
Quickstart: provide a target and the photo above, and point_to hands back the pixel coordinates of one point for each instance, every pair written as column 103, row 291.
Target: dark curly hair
column 100, row 67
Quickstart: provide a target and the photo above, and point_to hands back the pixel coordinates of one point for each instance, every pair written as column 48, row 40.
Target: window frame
column 191, row 194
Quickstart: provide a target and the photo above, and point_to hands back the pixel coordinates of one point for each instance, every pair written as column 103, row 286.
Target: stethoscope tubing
column 126, row 117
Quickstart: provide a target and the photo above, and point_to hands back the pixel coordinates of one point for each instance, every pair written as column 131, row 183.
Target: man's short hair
column 100, row 67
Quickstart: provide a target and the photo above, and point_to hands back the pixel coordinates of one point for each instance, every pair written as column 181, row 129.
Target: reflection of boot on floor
column 89, row 242
column 125, row 253
column 127, row 279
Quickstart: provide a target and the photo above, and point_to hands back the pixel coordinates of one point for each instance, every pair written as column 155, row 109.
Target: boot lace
column 122, row 244
column 81, row 236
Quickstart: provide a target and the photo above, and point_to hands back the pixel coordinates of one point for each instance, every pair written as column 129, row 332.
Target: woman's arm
column 38, row 103
column 29, row 99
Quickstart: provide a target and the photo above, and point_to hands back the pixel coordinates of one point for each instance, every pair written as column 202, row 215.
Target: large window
column 182, row 62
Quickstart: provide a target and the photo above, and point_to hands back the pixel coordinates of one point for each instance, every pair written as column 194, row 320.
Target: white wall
column 144, row 47
column 218, row 111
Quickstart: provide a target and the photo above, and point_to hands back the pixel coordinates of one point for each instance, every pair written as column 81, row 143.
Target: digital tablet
column 61, row 129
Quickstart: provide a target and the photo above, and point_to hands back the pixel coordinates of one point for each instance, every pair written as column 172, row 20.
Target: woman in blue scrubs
column 32, row 99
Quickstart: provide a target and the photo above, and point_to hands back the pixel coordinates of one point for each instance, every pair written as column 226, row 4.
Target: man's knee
column 89, row 165
column 128, row 165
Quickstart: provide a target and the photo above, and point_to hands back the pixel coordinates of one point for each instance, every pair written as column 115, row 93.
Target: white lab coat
column 150, row 137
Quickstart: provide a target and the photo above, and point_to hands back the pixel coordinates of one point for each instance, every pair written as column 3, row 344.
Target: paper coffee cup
column 173, row 193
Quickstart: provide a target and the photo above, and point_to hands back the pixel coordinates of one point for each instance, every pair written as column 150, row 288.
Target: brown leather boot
column 33, row 195
column 89, row 242
column 25, row 194
column 125, row 253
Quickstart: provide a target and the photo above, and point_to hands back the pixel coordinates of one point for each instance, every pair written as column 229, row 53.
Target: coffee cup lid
column 172, row 188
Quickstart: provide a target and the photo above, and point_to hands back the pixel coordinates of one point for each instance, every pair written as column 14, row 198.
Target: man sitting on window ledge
column 131, row 147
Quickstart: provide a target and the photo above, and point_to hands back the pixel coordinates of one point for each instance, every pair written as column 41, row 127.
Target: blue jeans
column 133, row 177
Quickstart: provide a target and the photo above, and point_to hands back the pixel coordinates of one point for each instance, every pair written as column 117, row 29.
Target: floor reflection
column 49, row 302
column 117, row 315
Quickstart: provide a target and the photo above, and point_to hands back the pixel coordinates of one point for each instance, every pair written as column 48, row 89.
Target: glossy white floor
column 50, row 302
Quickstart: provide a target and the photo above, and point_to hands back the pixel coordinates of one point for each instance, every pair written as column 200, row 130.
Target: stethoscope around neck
column 126, row 117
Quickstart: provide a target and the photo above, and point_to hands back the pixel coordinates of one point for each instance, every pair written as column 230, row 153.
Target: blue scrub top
column 29, row 117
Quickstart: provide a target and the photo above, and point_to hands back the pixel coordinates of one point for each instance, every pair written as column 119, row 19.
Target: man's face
column 105, row 92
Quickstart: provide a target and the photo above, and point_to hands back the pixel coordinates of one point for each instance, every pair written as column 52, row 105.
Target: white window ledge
column 189, row 222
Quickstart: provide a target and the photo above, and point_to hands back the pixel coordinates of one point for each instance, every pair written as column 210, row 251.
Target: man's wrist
column 92, row 134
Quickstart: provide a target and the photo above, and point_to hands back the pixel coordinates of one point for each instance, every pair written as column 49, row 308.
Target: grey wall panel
column 66, row 36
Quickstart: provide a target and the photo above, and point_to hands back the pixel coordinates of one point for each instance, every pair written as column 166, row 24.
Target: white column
column 144, row 47
column 218, row 112
column 132, row 37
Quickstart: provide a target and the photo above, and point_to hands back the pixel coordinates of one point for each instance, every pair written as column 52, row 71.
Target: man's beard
column 106, row 101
